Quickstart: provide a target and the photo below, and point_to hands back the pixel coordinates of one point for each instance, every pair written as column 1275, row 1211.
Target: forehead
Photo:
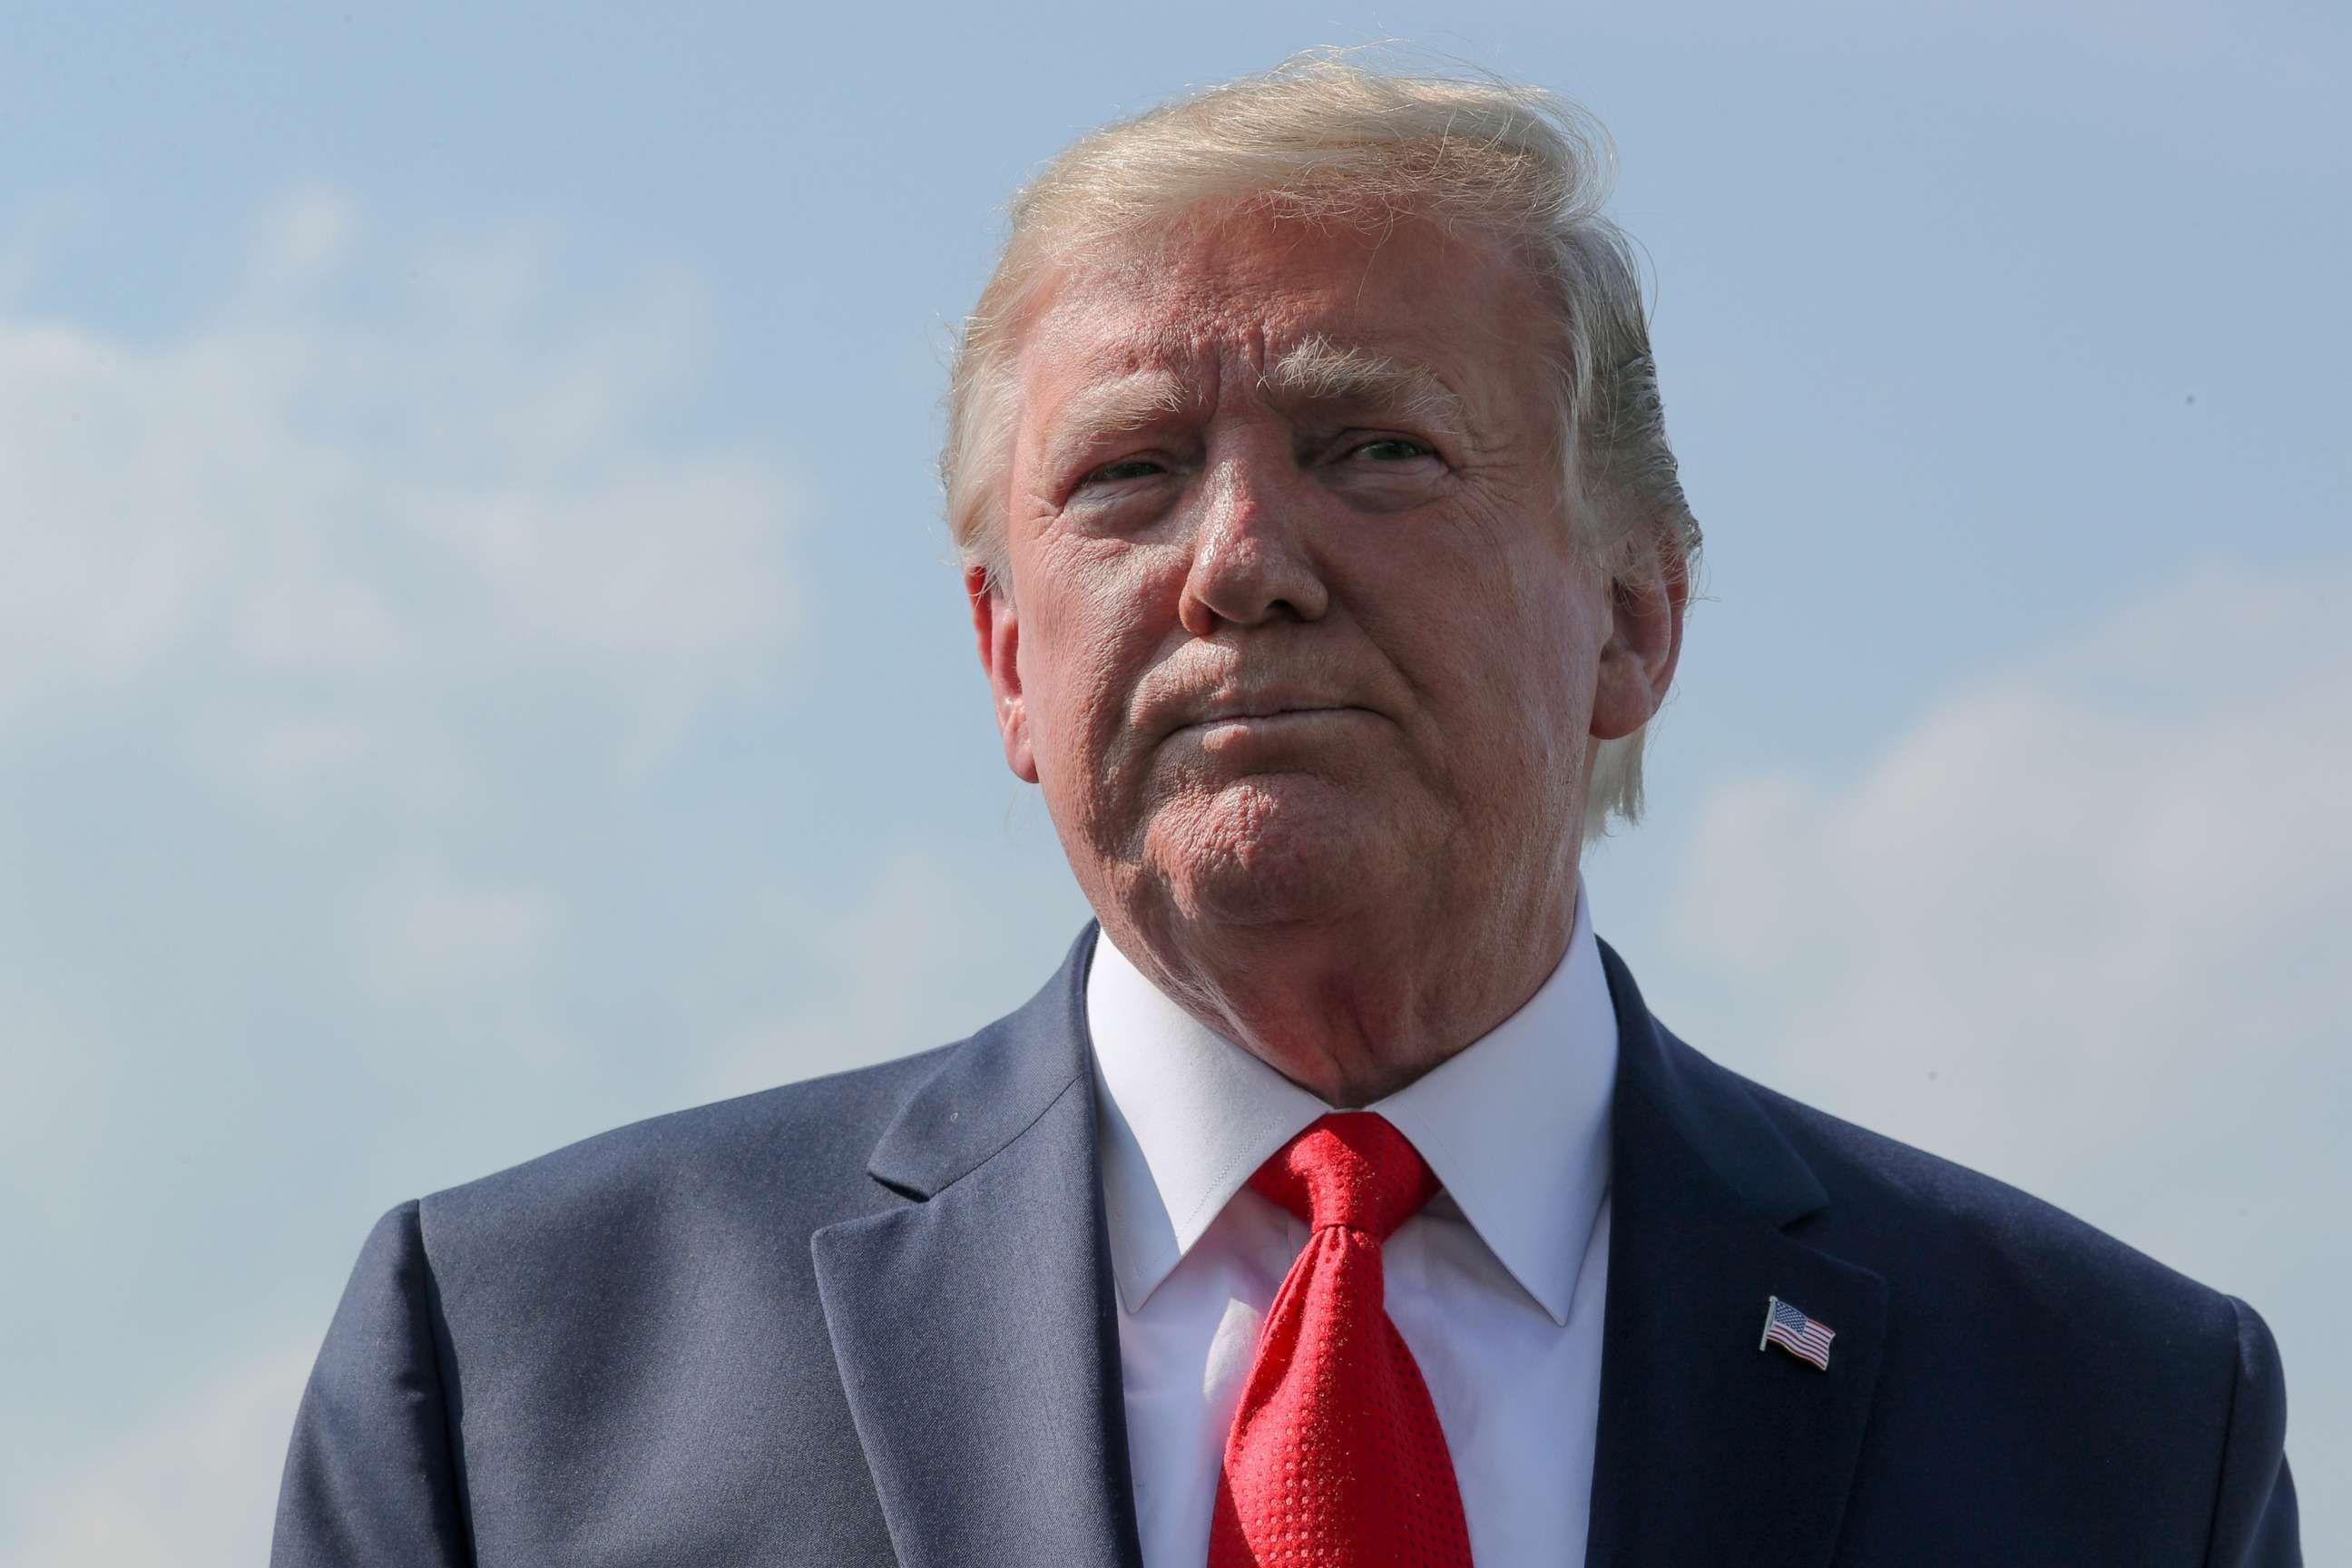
column 1242, row 295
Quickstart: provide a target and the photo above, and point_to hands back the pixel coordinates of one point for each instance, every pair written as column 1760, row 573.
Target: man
column 1340, row 1201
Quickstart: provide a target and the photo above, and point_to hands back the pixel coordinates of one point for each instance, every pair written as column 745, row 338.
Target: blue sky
column 479, row 660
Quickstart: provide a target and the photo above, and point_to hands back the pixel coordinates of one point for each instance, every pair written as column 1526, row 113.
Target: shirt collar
column 1515, row 1125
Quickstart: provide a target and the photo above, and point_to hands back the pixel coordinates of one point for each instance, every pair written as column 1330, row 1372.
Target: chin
column 1274, row 850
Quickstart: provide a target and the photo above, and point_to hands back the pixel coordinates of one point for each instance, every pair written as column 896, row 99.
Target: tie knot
column 1351, row 1169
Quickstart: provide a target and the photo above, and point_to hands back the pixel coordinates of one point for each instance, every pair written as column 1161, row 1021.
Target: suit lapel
column 1710, row 1451
column 974, row 1328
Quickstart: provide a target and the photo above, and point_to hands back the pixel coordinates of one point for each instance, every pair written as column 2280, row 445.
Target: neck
column 1351, row 1014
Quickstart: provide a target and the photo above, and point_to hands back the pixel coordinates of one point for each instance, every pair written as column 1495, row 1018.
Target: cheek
column 1092, row 627
column 1554, row 657
column 1503, row 645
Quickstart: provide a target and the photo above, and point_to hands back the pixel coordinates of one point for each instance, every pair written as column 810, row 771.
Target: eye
column 1124, row 469
column 1391, row 449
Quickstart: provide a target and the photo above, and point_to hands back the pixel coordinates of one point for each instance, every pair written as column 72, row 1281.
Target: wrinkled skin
column 1308, row 668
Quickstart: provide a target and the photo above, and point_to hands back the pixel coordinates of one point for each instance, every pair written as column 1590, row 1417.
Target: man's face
column 1297, row 630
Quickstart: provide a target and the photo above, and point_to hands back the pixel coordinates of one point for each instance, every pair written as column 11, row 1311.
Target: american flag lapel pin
column 1807, row 1339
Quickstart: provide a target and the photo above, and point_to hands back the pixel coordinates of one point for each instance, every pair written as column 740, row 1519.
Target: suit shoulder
column 2038, row 1333
column 794, row 1153
column 1984, row 1236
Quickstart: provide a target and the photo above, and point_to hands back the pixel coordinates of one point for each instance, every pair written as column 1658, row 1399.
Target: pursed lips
column 1261, row 710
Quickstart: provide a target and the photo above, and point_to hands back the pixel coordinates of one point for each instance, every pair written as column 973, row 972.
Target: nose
column 1250, row 560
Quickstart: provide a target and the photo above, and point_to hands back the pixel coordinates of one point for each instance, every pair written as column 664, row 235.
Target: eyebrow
column 1113, row 408
column 1316, row 370
column 1320, row 371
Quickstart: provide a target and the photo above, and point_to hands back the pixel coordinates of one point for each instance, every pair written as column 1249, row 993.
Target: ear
column 996, row 625
column 1646, row 600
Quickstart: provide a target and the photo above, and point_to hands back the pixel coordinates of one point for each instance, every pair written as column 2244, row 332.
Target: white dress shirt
column 1496, row 1286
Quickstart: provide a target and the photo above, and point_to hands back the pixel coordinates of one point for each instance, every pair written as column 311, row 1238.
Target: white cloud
column 49, row 1058
column 916, row 915
column 2081, row 929
column 425, row 928
column 320, row 558
column 194, row 1485
column 371, row 563
column 295, row 489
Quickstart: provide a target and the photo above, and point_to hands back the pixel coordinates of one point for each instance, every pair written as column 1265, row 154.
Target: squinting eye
column 1127, row 468
column 1391, row 449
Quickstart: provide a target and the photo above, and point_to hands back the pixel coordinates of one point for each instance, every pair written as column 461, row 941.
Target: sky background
column 479, row 660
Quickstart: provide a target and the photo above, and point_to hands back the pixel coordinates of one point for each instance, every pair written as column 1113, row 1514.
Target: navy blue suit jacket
column 868, row 1319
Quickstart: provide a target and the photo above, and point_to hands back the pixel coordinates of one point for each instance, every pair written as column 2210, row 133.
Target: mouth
column 1229, row 706
column 1269, row 715
column 1269, row 720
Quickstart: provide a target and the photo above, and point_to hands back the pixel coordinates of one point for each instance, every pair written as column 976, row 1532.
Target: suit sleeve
column 370, row 1477
column 2253, row 1513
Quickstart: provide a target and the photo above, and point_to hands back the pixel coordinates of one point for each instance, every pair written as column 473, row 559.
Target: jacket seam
column 1043, row 1112
column 2229, row 1428
column 445, row 1366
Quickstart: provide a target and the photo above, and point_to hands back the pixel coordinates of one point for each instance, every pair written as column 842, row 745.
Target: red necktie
column 1336, row 1459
